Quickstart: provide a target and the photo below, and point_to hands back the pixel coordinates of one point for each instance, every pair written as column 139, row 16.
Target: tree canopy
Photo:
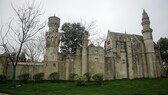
column 164, row 49
column 71, row 37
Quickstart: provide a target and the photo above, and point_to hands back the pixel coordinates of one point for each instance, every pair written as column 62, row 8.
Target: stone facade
column 88, row 59
column 123, row 56
column 132, row 56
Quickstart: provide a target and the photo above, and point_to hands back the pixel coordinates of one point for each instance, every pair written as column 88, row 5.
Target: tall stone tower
column 52, row 44
column 149, row 44
column 84, row 53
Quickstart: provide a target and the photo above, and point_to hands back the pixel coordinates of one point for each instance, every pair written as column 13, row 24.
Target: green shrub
column 38, row 77
column 24, row 78
column 72, row 76
column 165, row 68
column 98, row 78
column 2, row 78
column 80, row 80
column 54, row 76
column 88, row 76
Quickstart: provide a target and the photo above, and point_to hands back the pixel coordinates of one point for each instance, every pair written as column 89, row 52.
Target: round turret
column 53, row 23
column 53, row 20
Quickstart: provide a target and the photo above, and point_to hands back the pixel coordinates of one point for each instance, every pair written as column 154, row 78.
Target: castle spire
column 149, row 45
column 145, row 14
column 145, row 18
column 145, row 21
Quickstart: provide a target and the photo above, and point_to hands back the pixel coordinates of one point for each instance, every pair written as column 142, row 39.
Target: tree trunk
column 13, row 76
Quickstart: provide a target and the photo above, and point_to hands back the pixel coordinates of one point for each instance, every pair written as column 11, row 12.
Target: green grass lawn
column 114, row 87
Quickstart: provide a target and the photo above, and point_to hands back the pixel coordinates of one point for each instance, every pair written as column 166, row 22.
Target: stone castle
column 123, row 56
column 87, row 58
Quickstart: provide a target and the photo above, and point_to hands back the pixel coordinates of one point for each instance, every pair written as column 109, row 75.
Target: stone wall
column 95, row 60
column 72, row 63
column 66, row 65
column 3, row 64
column 22, row 68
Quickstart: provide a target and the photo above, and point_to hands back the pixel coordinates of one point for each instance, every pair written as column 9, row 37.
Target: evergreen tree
column 164, row 49
column 71, row 37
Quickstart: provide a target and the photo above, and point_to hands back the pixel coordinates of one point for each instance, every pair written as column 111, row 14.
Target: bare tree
column 42, row 42
column 98, row 39
column 35, row 47
column 22, row 29
column 95, row 37
column 32, row 49
column 89, row 26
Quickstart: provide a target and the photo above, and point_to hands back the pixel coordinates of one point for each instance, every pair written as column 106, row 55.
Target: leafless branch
column 89, row 25
column 23, row 29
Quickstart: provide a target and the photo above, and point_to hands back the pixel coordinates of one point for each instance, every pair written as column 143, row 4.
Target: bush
column 88, row 76
column 80, row 80
column 98, row 78
column 38, row 77
column 2, row 78
column 54, row 76
column 72, row 76
column 165, row 68
column 24, row 78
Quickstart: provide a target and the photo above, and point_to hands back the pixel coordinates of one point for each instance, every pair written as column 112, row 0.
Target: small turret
column 53, row 23
column 145, row 18
column 146, row 31
column 145, row 22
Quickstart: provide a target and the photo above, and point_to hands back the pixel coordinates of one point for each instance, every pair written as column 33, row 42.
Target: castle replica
column 123, row 56
column 87, row 58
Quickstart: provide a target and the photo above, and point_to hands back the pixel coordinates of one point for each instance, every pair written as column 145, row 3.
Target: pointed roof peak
column 145, row 15
column 144, row 11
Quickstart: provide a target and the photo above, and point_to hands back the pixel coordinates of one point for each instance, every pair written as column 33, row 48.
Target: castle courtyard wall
column 23, row 67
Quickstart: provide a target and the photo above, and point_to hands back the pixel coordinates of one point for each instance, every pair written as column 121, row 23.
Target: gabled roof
column 121, row 36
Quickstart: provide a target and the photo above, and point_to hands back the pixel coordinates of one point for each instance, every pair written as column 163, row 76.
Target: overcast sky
column 113, row 15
